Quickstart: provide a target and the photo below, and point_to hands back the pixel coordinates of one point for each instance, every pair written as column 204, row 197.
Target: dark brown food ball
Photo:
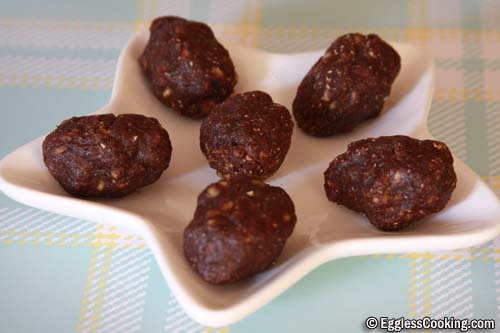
column 189, row 70
column 107, row 155
column 248, row 135
column 393, row 180
column 347, row 85
column 239, row 228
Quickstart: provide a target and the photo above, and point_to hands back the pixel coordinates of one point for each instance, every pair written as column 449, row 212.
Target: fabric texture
column 59, row 274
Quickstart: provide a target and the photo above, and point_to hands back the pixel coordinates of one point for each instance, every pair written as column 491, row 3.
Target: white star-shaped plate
column 324, row 231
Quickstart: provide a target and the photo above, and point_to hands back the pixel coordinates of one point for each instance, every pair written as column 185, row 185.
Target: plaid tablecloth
column 59, row 274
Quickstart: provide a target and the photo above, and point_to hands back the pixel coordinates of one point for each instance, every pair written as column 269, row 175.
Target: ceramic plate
column 324, row 231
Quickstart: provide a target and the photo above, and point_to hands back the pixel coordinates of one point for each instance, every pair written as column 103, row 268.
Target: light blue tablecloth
column 57, row 59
